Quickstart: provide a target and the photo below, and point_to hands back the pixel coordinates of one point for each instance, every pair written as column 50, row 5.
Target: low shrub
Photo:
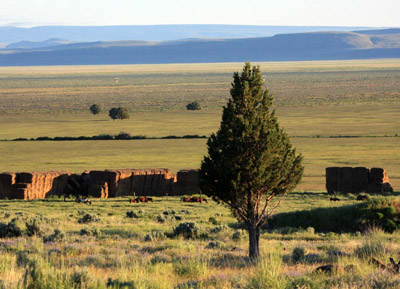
column 57, row 236
column 90, row 232
column 14, row 228
column 238, row 235
column 34, row 227
column 188, row 230
column 214, row 245
column 132, row 214
column 214, row 221
column 119, row 284
column 88, row 218
column 298, row 254
column 154, row 236
column 161, row 219
column 82, row 278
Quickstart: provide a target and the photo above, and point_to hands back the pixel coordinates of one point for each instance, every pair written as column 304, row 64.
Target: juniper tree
column 118, row 113
column 95, row 109
column 250, row 159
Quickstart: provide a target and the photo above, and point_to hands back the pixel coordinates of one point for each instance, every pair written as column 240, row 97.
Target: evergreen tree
column 122, row 113
column 118, row 113
column 113, row 113
column 250, row 159
column 95, row 109
column 195, row 105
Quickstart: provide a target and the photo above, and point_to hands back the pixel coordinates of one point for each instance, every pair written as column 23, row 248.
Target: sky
column 374, row 13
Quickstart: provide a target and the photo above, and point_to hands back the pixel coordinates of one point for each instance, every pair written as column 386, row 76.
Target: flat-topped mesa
column 357, row 180
column 32, row 185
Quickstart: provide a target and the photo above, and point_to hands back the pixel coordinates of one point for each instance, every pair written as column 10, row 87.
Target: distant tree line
column 120, row 136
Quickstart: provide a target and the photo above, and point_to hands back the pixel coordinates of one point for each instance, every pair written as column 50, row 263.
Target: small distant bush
column 155, row 236
column 213, row 245
column 238, row 236
column 15, row 228
column 214, row 221
column 88, row 218
column 188, row 230
column 218, row 229
column 90, row 232
column 298, row 254
column 131, row 214
column 195, row 105
column 119, row 284
column 81, row 278
column 161, row 219
column 34, row 227
column 57, row 236
column 169, row 212
column 178, row 218
column 95, row 109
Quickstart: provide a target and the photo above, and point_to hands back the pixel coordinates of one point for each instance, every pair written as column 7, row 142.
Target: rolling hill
column 282, row 47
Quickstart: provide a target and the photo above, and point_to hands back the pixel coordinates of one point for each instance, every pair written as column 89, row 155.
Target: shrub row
column 120, row 136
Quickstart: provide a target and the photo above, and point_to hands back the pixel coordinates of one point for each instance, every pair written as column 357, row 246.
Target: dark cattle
column 141, row 200
column 185, row 199
column 83, row 200
column 362, row 198
column 334, row 199
column 198, row 200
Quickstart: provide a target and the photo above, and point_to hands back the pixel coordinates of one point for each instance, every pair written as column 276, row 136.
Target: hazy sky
column 378, row 13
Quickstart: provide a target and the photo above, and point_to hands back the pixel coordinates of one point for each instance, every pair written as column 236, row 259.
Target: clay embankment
column 357, row 180
column 104, row 184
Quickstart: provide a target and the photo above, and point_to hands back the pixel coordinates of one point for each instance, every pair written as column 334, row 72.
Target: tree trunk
column 254, row 242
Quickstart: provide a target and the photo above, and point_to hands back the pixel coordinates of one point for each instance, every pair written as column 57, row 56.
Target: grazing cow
column 194, row 199
column 362, row 198
column 83, row 200
column 185, row 199
column 334, row 199
column 141, row 200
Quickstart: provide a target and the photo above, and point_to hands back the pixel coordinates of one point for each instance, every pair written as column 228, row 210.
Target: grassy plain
column 314, row 100
column 322, row 98
column 115, row 251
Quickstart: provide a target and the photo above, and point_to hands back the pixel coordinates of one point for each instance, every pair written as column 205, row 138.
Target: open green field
column 321, row 98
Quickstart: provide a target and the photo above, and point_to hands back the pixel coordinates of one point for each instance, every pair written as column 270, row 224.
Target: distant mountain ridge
column 283, row 47
column 9, row 34
column 37, row 44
